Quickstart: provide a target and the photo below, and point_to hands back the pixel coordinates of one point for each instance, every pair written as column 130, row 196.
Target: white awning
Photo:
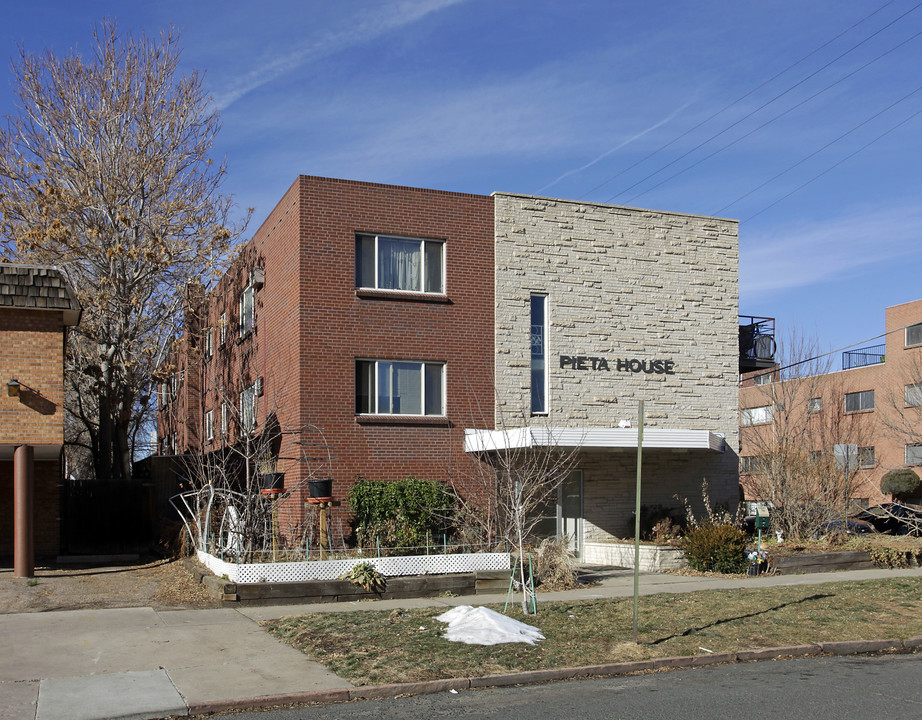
column 591, row 438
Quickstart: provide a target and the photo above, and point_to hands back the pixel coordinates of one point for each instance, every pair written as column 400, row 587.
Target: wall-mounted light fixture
column 13, row 387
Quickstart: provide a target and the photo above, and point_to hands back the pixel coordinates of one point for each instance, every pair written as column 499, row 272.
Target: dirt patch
column 161, row 584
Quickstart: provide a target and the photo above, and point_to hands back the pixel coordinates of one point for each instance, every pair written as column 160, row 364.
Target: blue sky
column 799, row 119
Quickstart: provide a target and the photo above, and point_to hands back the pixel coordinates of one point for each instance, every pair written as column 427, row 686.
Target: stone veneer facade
column 624, row 284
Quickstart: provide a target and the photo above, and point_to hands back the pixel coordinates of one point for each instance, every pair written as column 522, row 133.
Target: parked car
column 853, row 527
column 893, row 518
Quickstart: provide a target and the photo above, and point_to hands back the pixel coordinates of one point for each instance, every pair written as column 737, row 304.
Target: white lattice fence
column 333, row 569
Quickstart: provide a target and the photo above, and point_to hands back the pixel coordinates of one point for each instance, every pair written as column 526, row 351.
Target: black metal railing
column 756, row 342
column 862, row 357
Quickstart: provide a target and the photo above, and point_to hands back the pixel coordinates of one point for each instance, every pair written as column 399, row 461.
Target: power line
column 817, row 152
column 739, row 99
column 833, row 167
column 764, row 105
column 831, row 352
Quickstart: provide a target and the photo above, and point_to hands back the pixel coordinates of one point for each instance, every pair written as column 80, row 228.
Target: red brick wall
column 312, row 325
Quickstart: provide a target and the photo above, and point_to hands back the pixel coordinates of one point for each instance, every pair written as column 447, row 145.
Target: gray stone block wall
column 630, row 285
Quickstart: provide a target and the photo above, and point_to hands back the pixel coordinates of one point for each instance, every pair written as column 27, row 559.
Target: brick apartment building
column 36, row 308
column 415, row 328
column 866, row 417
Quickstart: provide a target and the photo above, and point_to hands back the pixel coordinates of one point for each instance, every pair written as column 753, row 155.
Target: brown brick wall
column 32, row 351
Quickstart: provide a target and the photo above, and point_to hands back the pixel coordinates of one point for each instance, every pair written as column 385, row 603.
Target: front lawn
column 372, row 647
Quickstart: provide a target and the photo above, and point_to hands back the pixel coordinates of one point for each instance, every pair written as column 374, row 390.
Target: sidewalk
column 141, row 663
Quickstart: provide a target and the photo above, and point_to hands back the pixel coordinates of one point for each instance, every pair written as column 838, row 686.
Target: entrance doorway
column 563, row 515
column 570, row 512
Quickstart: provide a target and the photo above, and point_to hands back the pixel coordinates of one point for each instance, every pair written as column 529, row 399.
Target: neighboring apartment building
column 36, row 308
column 865, row 419
column 417, row 328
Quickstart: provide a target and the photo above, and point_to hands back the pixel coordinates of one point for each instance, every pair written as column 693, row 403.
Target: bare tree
column 517, row 474
column 106, row 173
column 225, row 510
column 802, row 446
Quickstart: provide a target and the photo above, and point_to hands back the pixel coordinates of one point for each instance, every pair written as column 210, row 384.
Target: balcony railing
column 862, row 357
column 756, row 342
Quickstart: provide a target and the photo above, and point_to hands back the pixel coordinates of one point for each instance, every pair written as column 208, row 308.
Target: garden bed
column 334, row 569
column 820, row 562
column 314, row 591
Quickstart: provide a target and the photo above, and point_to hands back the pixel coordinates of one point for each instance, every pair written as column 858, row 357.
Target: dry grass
column 373, row 647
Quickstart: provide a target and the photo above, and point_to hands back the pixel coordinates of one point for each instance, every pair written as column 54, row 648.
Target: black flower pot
column 320, row 489
column 273, row 482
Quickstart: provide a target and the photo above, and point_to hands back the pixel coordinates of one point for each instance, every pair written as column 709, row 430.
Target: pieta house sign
column 633, row 365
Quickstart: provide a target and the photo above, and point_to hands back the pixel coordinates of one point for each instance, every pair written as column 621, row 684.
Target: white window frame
column 373, row 405
column 914, row 335
column 862, row 398
column 815, row 405
column 913, row 395
column 223, row 419
column 913, row 453
column 763, row 379
column 760, row 415
column 248, row 409
column 208, row 343
column 544, row 385
column 362, row 282
column 223, row 324
column 866, row 456
column 846, row 456
column 247, row 310
column 209, row 426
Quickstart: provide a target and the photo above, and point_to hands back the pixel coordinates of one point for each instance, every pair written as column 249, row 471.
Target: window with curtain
column 404, row 264
column 392, row 387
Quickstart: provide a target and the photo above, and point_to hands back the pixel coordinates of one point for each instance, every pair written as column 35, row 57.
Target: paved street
column 826, row 688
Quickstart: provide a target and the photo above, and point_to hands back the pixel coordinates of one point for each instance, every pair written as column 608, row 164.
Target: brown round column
column 23, row 502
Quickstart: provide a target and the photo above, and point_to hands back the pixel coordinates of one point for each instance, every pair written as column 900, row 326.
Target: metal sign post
column 637, row 515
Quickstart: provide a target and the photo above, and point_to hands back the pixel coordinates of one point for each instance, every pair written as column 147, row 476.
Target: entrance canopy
column 527, row 437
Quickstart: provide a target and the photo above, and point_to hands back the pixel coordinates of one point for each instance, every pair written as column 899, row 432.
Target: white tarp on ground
column 482, row 626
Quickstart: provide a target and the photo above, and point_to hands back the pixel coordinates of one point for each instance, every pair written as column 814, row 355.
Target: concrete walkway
column 141, row 663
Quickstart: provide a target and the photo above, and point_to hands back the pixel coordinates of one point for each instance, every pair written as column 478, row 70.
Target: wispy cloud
column 532, row 116
column 370, row 27
column 615, row 149
column 811, row 254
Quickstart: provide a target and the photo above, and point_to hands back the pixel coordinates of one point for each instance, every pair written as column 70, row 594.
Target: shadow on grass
column 722, row 621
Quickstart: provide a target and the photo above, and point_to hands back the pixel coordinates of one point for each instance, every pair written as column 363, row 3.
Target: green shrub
column 902, row 481
column 367, row 576
column 401, row 513
column 715, row 548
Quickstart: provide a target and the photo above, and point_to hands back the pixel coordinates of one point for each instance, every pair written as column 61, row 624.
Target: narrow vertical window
column 539, row 353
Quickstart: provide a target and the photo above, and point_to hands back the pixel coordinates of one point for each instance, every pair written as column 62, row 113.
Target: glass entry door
column 570, row 511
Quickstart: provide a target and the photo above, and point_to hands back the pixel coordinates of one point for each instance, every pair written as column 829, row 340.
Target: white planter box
column 333, row 569
column 652, row 557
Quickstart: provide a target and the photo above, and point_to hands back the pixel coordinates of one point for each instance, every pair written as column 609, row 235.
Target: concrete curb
column 533, row 677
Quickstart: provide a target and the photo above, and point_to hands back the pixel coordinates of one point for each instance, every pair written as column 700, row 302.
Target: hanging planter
column 321, row 489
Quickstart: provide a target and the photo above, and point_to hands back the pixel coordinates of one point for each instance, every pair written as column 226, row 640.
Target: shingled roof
column 36, row 287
